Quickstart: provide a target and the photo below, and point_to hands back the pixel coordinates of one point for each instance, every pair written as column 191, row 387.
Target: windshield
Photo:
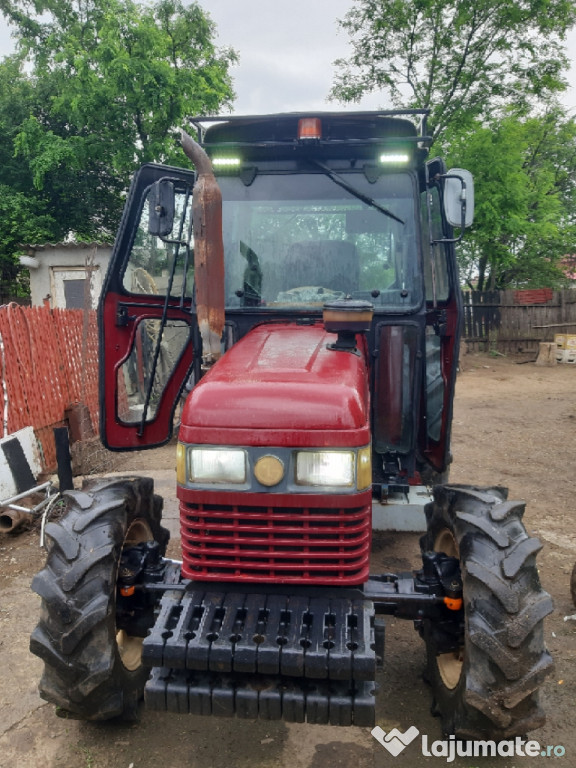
column 299, row 240
column 293, row 241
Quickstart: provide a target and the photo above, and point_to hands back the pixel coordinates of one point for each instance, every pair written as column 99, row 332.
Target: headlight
column 214, row 465
column 325, row 468
column 240, row 468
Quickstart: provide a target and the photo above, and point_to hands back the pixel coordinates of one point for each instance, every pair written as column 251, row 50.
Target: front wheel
column 92, row 667
column 486, row 662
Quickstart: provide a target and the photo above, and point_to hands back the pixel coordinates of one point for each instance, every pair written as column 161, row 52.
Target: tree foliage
column 525, row 218
column 25, row 213
column 97, row 88
column 461, row 59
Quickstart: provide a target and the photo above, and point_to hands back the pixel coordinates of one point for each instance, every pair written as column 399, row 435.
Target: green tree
column 96, row 89
column 525, row 178
column 461, row 59
column 25, row 212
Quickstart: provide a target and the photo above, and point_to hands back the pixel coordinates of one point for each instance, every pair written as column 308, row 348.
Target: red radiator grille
column 283, row 544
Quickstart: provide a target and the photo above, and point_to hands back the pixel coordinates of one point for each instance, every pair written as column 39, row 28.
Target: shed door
column 75, row 287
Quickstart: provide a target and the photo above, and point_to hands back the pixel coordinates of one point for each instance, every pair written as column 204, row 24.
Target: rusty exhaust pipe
column 208, row 252
column 11, row 520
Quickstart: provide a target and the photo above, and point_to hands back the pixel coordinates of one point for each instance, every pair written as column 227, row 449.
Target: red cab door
column 147, row 322
column 443, row 314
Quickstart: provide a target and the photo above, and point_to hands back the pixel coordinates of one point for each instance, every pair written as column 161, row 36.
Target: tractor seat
column 331, row 264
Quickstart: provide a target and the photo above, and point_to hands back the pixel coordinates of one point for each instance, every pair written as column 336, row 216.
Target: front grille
column 322, row 545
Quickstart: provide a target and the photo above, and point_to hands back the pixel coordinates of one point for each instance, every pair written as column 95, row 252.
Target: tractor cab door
column 443, row 307
column 147, row 320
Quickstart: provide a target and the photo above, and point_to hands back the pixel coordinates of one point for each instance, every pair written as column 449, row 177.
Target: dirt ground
column 514, row 425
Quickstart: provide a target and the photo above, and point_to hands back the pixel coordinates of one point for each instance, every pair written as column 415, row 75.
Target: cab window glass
column 435, row 261
column 161, row 265
column 299, row 240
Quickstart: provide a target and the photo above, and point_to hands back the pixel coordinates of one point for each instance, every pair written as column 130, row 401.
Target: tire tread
column 76, row 634
column 505, row 658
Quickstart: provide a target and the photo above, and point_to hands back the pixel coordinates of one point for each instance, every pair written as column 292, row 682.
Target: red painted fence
column 48, row 363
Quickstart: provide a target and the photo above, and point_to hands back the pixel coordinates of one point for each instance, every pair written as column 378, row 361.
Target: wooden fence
column 514, row 322
column 49, row 364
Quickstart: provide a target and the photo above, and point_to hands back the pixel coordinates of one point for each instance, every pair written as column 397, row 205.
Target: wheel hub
column 449, row 664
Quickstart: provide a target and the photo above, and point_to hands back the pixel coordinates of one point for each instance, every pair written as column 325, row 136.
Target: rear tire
column 92, row 671
column 488, row 687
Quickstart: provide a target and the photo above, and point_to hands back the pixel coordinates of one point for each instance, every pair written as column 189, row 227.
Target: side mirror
column 161, row 206
column 459, row 197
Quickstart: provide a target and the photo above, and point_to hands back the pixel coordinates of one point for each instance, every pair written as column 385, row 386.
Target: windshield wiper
column 356, row 192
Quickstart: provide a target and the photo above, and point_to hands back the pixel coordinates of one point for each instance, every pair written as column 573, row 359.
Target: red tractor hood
column 281, row 385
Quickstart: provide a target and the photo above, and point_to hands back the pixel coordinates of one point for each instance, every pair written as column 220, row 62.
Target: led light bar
column 394, row 158
column 226, row 162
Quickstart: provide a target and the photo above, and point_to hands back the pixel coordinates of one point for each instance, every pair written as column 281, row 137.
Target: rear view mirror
column 161, row 208
column 459, row 198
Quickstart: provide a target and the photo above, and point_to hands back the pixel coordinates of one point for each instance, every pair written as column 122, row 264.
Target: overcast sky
column 287, row 50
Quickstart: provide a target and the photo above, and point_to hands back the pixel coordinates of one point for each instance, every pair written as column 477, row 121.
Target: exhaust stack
column 208, row 252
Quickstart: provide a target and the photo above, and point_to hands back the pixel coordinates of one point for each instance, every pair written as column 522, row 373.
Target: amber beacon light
column 309, row 129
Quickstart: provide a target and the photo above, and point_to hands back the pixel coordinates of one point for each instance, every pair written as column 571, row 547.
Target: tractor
column 289, row 304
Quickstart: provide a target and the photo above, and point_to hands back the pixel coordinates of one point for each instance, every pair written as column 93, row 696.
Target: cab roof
column 338, row 131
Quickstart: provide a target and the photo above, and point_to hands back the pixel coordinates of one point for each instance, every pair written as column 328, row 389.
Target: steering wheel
column 309, row 294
